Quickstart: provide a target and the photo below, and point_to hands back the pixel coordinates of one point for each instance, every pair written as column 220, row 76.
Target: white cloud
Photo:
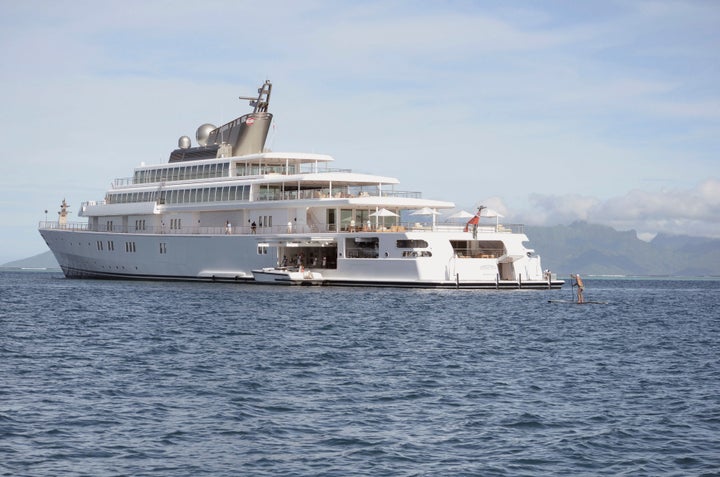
column 694, row 211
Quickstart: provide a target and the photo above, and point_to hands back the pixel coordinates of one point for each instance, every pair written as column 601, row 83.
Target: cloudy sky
column 550, row 112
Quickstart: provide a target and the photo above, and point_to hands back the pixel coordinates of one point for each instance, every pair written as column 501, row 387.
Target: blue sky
column 547, row 111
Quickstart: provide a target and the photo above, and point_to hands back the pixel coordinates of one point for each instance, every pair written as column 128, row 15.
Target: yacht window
column 412, row 244
column 478, row 248
column 346, row 218
column 362, row 247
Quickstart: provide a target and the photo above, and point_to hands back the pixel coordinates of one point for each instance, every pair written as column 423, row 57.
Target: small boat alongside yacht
column 228, row 209
column 287, row 276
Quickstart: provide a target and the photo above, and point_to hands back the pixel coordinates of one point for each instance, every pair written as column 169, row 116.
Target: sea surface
column 111, row 378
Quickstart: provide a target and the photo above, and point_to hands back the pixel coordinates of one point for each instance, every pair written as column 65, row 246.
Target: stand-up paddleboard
column 576, row 303
column 576, row 281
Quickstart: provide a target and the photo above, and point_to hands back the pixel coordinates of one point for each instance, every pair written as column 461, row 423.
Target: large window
column 362, row 247
column 478, row 248
column 181, row 173
column 412, row 244
column 181, row 196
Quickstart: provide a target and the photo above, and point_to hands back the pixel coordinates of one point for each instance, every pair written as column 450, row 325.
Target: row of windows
column 207, row 171
column 124, row 198
column 183, row 196
column 129, row 246
column 202, row 171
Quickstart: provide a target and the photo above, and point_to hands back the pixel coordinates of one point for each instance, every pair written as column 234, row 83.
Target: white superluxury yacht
column 227, row 209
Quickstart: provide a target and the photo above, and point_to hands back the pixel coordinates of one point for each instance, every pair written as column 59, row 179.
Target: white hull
column 236, row 257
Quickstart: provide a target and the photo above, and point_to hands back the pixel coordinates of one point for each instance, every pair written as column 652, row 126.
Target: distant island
column 580, row 247
column 593, row 249
column 45, row 260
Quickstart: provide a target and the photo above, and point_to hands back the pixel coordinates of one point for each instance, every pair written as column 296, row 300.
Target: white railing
column 275, row 229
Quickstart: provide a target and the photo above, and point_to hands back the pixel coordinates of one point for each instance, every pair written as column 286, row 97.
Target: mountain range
column 594, row 249
column 584, row 248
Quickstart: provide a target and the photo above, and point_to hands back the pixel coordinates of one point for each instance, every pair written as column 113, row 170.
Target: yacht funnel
column 244, row 135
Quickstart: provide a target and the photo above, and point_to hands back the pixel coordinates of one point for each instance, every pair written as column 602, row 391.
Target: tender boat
column 228, row 209
column 287, row 276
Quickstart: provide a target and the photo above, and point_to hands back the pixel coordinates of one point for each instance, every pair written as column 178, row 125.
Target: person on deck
column 580, row 287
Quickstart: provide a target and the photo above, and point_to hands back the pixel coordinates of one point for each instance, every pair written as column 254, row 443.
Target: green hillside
column 601, row 250
column 41, row 260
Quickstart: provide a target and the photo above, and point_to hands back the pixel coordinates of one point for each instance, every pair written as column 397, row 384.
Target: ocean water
column 110, row 378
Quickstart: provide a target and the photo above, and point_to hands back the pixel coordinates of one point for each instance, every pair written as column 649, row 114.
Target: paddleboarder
column 579, row 283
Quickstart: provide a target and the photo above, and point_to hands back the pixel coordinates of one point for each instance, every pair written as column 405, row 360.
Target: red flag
column 474, row 221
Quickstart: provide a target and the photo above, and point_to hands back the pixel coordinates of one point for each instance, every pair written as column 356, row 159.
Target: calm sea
column 109, row 378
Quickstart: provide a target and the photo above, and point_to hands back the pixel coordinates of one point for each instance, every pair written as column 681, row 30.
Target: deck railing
column 275, row 229
column 256, row 172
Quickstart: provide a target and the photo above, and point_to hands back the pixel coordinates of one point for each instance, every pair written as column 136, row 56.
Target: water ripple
column 123, row 378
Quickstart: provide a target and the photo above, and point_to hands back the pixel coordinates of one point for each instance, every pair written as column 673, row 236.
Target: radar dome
column 203, row 132
column 184, row 142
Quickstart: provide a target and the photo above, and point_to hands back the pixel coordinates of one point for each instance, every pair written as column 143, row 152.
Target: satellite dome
column 203, row 132
column 184, row 142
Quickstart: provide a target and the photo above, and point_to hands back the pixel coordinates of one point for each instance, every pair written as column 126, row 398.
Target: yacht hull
column 240, row 258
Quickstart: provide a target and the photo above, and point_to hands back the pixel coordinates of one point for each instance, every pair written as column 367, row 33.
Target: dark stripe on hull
column 80, row 273
column 490, row 285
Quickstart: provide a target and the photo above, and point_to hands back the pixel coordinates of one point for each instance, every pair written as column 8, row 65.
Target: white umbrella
column 427, row 211
column 384, row 213
column 463, row 214
column 490, row 213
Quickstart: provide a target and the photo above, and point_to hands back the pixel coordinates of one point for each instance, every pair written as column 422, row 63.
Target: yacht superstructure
column 227, row 209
